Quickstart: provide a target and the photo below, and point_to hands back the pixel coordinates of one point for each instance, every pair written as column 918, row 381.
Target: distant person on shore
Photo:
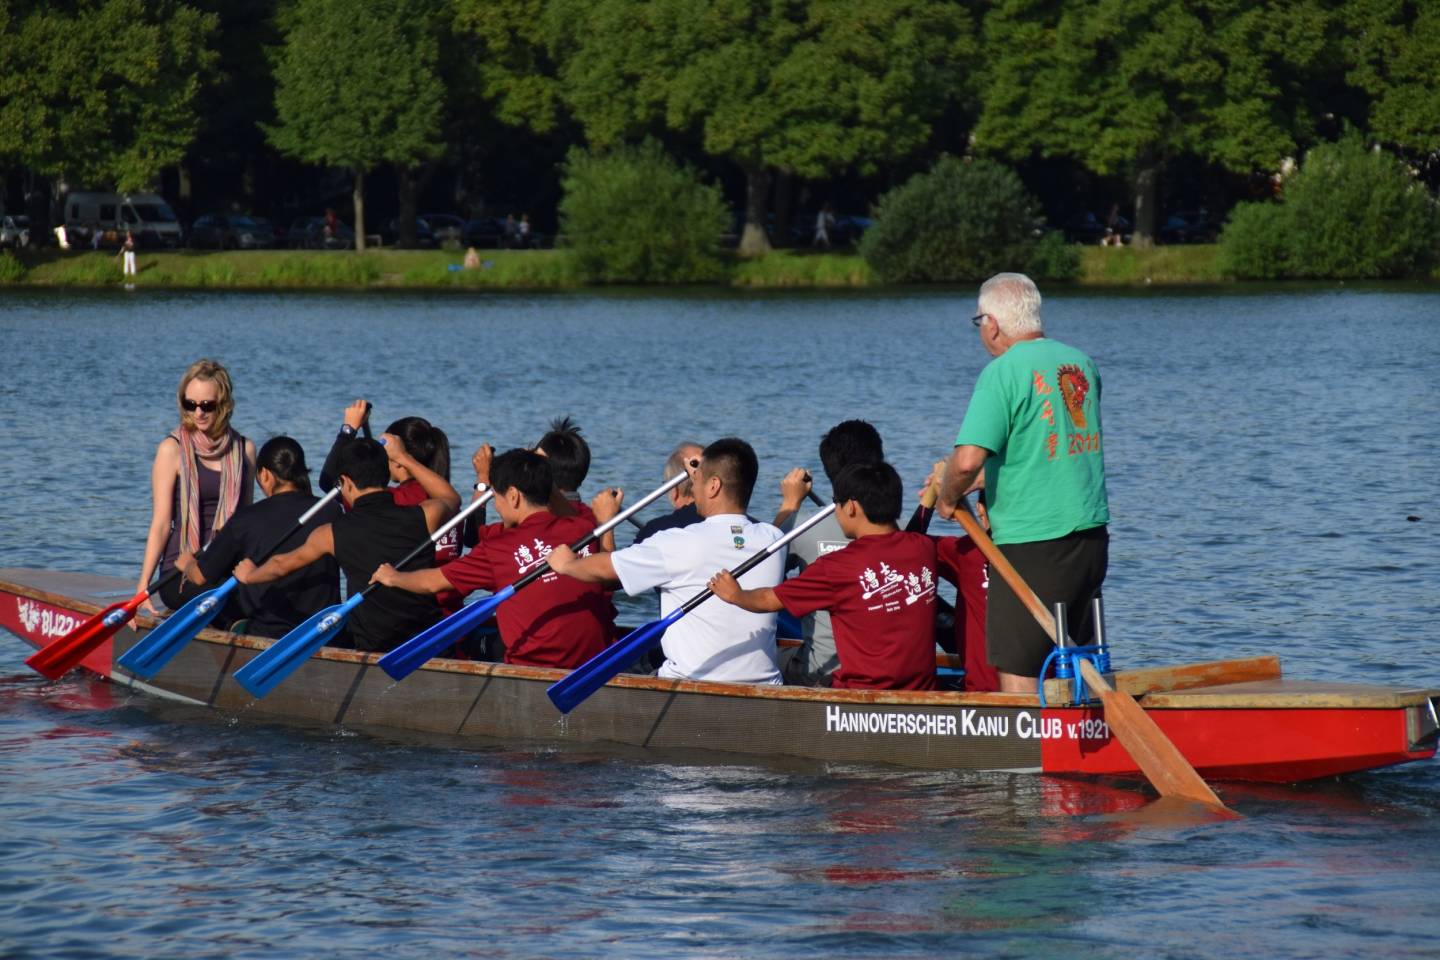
column 127, row 250
column 1033, row 427
column 525, row 231
column 879, row 588
column 271, row 610
column 96, row 235
column 716, row 641
column 569, row 457
column 824, row 220
column 512, row 232
column 202, row 474
column 556, row 621
column 375, row 530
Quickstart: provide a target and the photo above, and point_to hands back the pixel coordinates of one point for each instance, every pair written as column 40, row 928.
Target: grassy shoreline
column 534, row 270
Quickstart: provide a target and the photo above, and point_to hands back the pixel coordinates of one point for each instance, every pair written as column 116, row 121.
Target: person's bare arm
column 606, row 506
column 188, row 568
column 596, row 568
column 247, row 492
column 961, row 472
column 320, row 543
column 443, row 502
column 427, row 581
column 164, row 473
column 760, row 600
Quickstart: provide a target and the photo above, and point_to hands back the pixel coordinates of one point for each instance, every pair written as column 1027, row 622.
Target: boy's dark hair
column 568, row 452
column 526, row 471
column 364, row 462
column 425, row 442
column 284, row 457
column 854, row 441
column 875, row 486
column 734, row 462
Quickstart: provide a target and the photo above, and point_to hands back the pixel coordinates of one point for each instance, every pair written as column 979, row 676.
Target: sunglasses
column 205, row 406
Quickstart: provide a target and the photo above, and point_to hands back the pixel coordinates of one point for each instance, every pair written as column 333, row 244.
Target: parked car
column 146, row 214
column 310, row 233
column 14, row 231
column 219, row 231
column 483, row 232
column 447, row 228
column 424, row 237
column 1189, row 226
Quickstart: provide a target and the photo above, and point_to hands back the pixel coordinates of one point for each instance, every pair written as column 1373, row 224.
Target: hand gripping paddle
column 413, row 653
column 284, row 656
column 569, row 693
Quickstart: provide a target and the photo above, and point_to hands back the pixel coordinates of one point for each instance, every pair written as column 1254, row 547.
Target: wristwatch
column 347, row 430
column 481, row 486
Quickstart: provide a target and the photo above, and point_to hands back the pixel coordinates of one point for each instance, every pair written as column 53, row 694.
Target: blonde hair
column 215, row 373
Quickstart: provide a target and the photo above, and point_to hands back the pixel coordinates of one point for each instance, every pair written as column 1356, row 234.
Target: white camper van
column 147, row 214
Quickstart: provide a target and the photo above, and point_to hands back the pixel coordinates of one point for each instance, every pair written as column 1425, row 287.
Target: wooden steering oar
column 1160, row 760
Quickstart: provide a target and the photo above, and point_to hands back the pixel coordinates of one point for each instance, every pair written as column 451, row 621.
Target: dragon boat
column 1236, row 720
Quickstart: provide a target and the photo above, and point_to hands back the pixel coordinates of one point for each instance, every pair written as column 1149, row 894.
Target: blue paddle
column 284, row 656
column 569, row 693
column 147, row 657
column 415, row 652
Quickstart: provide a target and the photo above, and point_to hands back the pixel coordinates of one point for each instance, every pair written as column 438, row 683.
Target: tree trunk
column 359, row 209
column 405, row 229
column 1147, row 180
column 753, row 241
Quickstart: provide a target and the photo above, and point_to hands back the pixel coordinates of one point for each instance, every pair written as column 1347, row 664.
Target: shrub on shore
column 11, row 269
column 964, row 220
column 1348, row 213
column 634, row 215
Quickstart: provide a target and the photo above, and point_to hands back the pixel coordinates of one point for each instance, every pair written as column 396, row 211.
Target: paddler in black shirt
column 375, row 530
column 271, row 610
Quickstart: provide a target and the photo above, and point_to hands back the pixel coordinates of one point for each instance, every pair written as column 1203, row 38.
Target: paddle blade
column 419, row 649
column 569, row 693
column 285, row 656
column 147, row 657
column 1160, row 760
column 55, row 660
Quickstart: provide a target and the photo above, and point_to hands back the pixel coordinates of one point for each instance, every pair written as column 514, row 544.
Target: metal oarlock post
column 1097, row 618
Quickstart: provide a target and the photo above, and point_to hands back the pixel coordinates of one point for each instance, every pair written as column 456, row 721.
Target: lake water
column 1264, row 449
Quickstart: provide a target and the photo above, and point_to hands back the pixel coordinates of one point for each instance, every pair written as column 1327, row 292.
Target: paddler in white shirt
column 716, row 641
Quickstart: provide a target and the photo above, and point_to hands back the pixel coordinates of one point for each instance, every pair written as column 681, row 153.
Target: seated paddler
column 556, row 621
column 271, row 609
column 373, row 531
column 879, row 589
column 716, row 641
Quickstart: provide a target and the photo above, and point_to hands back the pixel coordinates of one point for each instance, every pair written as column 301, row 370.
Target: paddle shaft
column 1159, row 760
column 434, row 538
column 606, row 527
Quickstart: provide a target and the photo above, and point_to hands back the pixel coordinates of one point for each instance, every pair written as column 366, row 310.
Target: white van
column 111, row 214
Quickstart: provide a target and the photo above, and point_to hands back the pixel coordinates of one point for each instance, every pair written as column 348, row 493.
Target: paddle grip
column 760, row 557
column 449, row 525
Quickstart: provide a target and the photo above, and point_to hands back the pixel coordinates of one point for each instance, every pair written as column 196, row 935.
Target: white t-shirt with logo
column 715, row 641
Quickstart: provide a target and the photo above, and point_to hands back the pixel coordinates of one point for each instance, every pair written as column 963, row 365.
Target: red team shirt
column 880, row 591
column 554, row 622
column 411, row 494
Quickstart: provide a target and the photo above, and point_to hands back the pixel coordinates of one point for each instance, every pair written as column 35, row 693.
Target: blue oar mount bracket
column 1066, row 656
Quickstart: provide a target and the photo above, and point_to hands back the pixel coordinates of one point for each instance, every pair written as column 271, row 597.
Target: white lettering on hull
column 1029, row 725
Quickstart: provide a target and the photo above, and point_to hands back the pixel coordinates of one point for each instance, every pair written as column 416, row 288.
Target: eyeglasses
column 978, row 318
column 205, row 406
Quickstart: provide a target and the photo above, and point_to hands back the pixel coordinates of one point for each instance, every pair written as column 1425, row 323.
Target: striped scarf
column 230, row 450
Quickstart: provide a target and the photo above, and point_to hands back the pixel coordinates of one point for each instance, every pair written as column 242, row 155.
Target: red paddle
column 62, row 656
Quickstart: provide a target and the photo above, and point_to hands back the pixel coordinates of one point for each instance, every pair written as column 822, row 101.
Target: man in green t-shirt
column 1033, row 426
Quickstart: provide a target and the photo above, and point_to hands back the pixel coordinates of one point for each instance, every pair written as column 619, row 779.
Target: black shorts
column 1069, row 569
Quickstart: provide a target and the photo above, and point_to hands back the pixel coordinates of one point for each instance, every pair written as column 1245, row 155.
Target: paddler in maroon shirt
column 556, row 621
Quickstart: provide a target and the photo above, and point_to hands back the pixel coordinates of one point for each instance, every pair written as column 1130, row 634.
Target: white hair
column 1013, row 300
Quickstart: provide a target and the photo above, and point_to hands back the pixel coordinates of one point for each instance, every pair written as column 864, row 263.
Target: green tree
column 808, row 88
column 356, row 86
column 101, row 92
column 1393, row 52
column 1124, row 86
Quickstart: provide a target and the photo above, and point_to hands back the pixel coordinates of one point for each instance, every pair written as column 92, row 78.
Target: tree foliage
column 1125, row 85
column 101, row 92
column 1349, row 212
column 1393, row 48
column 634, row 215
column 960, row 221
